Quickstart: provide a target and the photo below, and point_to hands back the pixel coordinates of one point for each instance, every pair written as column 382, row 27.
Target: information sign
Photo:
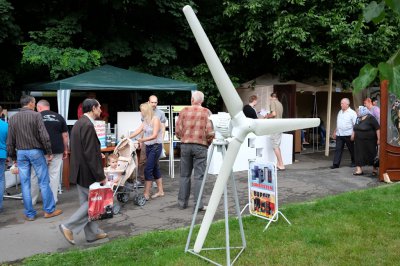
column 263, row 196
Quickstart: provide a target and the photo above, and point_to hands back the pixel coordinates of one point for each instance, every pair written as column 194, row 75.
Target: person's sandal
column 361, row 173
column 157, row 195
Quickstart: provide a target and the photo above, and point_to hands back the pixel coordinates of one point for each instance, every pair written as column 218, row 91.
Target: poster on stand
column 100, row 127
column 263, row 196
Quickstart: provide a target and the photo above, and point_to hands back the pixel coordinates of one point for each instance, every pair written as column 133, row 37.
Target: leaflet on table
column 263, row 112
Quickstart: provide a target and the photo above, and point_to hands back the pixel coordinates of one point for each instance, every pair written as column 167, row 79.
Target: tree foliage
column 47, row 39
column 389, row 70
column 8, row 29
column 9, row 37
column 67, row 61
column 311, row 33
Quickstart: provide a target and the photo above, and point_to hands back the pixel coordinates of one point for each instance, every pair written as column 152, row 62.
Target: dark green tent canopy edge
column 112, row 78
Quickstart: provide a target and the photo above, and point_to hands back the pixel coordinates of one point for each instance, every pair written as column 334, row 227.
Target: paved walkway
column 307, row 179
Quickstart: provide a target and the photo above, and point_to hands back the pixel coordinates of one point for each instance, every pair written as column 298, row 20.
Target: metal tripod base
column 221, row 146
column 17, row 197
column 274, row 218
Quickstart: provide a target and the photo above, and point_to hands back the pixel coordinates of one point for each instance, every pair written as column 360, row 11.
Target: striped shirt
column 26, row 131
column 193, row 126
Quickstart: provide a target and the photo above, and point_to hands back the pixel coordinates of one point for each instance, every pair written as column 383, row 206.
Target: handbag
column 163, row 154
column 14, row 170
column 101, row 201
column 376, row 162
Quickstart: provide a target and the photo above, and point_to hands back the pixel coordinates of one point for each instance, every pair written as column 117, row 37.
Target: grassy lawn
column 356, row 228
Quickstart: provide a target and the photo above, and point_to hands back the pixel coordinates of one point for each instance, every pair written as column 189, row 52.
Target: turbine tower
column 240, row 123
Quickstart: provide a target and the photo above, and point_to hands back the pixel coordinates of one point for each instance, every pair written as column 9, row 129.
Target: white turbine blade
column 234, row 105
column 271, row 126
column 231, row 98
column 220, row 183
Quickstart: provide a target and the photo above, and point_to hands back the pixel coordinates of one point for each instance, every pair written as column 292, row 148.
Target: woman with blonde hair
column 152, row 138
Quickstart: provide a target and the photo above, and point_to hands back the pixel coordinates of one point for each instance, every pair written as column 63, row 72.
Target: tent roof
column 311, row 84
column 113, row 78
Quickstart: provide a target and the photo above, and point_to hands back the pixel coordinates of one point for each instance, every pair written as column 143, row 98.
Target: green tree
column 51, row 48
column 8, row 29
column 311, row 33
column 9, row 37
column 388, row 10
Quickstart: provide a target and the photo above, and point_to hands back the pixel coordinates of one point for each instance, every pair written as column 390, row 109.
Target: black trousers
column 340, row 141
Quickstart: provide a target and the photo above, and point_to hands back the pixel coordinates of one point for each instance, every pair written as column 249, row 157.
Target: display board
column 172, row 113
column 127, row 122
column 100, row 127
column 262, row 184
column 167, row 145
column 389, row 150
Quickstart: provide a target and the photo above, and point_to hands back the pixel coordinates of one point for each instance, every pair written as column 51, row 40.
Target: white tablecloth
column 259, row 149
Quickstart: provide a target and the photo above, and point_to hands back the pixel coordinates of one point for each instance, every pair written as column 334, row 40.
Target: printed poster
column 100, row 127
column 262, row 189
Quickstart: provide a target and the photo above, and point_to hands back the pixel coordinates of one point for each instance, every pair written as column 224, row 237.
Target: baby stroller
column 127, row 162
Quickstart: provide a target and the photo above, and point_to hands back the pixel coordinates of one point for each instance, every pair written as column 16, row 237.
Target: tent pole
column 329, row 111
column 315, row 129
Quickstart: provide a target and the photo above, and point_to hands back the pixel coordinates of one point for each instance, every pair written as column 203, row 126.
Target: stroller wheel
column 140, row 200
column 123, row 197
column 116, row 209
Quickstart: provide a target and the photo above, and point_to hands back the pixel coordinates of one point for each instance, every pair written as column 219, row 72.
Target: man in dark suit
column 86, row 168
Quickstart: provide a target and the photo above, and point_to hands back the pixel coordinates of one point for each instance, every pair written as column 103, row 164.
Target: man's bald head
column 42, row 105
column 153, row 101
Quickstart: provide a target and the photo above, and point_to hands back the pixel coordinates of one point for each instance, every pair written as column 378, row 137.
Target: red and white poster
column 100, row 127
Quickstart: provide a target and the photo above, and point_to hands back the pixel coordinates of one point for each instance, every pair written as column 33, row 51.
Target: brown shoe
column 98, row 237
column 30, row 219
column 54, row 213
column 69, row 236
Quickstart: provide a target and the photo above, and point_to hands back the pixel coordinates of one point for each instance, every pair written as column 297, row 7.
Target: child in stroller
column 112, row 172
column 125, row 156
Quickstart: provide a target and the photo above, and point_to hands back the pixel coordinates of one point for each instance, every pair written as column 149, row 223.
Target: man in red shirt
column 103, row 116
column 195, row 131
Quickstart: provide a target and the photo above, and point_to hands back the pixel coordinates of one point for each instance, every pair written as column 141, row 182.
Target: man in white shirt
column 344, row 128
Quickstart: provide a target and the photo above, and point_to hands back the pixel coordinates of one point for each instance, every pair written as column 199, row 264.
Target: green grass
column 356, row 228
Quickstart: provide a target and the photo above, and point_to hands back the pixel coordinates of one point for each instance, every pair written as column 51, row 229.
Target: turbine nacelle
column 242, row 126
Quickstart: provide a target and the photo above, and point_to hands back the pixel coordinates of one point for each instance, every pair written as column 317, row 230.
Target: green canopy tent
column 108, row 78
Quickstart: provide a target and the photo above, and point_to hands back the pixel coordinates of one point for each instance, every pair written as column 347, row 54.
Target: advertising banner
column 263, row 196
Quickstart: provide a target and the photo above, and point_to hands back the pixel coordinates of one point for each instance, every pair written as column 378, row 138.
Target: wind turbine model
column 240, row 123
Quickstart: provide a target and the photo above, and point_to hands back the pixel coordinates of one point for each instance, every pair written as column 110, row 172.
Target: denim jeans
column 152, row 168
column 193, row 158
column 35, row 158
column 2, row 182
